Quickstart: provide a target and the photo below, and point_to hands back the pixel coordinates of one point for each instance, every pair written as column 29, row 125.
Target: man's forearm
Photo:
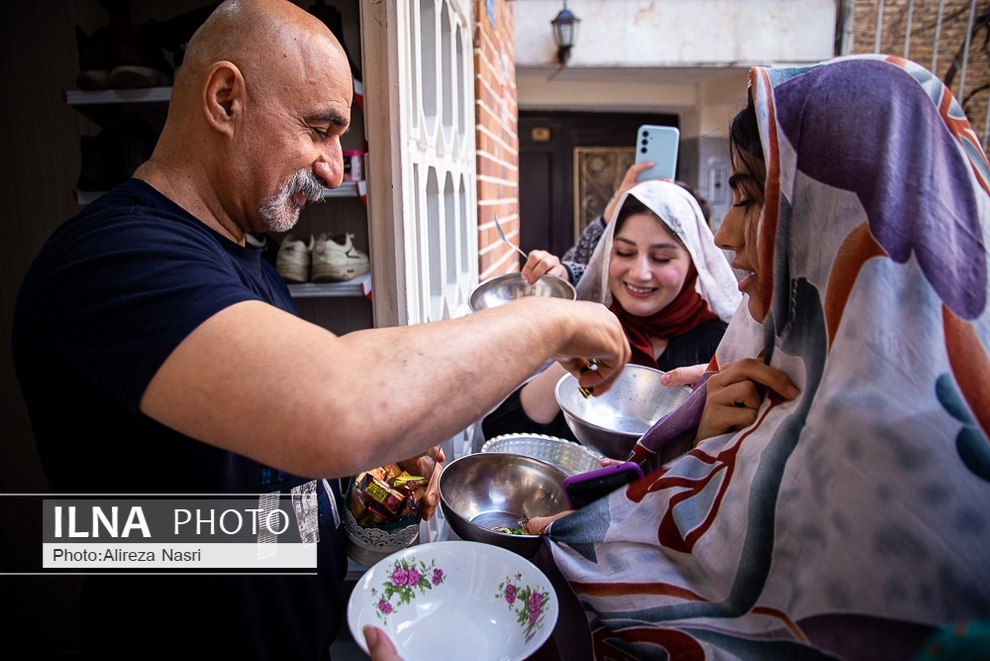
column 262, row 383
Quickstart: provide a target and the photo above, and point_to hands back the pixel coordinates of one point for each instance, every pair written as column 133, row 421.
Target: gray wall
column 704, row 163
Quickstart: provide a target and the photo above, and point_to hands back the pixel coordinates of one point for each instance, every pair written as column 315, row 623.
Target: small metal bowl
column 558, row 452
column 613, row 422
column 485, row 490
column 504, row 288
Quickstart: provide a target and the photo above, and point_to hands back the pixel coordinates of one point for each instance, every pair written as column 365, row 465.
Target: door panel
column 535, row 172
column 546, row 175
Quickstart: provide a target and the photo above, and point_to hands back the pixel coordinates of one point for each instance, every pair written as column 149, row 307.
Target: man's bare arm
column 265, row 384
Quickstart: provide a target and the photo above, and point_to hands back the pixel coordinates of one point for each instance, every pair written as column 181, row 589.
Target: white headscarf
column 680, row 212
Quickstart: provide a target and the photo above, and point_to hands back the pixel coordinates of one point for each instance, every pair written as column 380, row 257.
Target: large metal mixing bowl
column 613, row 421
column 503, row 288
column 482, row 491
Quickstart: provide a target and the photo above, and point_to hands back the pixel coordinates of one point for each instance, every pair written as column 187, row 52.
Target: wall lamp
column 565, row 33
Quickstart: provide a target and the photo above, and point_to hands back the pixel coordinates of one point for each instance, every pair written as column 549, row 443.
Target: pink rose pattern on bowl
column 528, row 603
column 403, row 579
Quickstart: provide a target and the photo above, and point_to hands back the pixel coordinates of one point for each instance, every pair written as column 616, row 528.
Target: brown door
column 550, row 144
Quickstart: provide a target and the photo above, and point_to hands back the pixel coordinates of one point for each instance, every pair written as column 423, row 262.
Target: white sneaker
column 335, row 261
column 292, row 261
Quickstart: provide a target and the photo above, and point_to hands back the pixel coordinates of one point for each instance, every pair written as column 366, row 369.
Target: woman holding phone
column 658, row 269
column 571, row 266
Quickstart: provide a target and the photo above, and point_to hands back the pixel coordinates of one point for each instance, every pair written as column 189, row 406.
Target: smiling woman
column 738, row 229
column 658, row 269
column 649, row 263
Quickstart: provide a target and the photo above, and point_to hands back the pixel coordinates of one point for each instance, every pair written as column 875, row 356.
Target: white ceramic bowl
column 565, row 455
column 455, row 600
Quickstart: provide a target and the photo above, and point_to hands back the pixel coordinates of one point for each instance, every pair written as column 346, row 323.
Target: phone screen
column 657, row 144
column 589, row 487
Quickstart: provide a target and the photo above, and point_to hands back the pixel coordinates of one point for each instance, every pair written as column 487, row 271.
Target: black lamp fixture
column 565, row 33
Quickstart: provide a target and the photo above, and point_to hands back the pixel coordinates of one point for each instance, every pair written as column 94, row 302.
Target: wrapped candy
column 386, row 495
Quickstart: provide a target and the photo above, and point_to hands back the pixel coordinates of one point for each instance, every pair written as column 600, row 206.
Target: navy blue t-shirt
column 111, row 294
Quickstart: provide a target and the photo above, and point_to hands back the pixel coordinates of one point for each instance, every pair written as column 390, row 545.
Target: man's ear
column 223, row 98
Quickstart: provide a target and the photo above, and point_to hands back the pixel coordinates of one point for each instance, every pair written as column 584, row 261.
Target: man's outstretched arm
column 265, row 384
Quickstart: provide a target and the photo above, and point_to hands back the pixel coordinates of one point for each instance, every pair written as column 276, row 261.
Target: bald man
column 158, row 354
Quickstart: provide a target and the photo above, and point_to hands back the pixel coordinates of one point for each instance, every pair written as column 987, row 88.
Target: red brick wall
column 497, row 139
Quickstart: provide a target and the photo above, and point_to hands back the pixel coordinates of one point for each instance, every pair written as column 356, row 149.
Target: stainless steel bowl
column 613, row 422
column 489, row 489
column 558, row 452
column 504, row 288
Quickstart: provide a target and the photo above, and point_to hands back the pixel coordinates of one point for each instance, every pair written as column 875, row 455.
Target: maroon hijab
column 687, row 311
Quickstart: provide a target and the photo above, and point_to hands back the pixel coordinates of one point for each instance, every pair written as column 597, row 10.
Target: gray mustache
column 305, row 182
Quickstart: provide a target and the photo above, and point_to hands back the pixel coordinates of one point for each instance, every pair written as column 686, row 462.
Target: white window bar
column 907, row 30
column 848, row 33
column 938, row 33
column 876, row 41
column 969, row 36
column 986, row 126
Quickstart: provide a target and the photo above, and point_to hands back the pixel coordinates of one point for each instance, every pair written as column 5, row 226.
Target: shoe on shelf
column 266, row 244
column 336, row 259
column 102, row 161
column 140, row 139
column 112, row 155
column 96, row 56
column 139, row 60
column 292, row 261
column 178, row 30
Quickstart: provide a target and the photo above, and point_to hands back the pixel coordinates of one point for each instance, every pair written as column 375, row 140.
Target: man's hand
column 628, row 182
column 736, row 393
column 423, row 466
column 379, row 646
column 541, row 263
column 598, row 335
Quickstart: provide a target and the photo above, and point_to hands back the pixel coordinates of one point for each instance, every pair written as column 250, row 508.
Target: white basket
column 366, row 546
column 565, row 455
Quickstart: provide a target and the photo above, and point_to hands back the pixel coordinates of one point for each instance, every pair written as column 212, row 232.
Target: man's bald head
column 265, row 39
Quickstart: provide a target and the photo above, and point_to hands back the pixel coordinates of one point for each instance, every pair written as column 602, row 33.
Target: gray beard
column 280, row 212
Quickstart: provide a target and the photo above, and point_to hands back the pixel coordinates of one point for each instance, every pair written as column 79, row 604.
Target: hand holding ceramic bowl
column 478, row 601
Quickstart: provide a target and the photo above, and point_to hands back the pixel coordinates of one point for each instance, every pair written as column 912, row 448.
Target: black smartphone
column 589, row 487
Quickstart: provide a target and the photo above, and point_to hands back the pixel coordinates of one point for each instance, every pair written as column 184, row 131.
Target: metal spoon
column 501, row 235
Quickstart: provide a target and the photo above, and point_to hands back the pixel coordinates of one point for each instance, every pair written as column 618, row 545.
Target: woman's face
column 738, row 233
column 647, row 267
